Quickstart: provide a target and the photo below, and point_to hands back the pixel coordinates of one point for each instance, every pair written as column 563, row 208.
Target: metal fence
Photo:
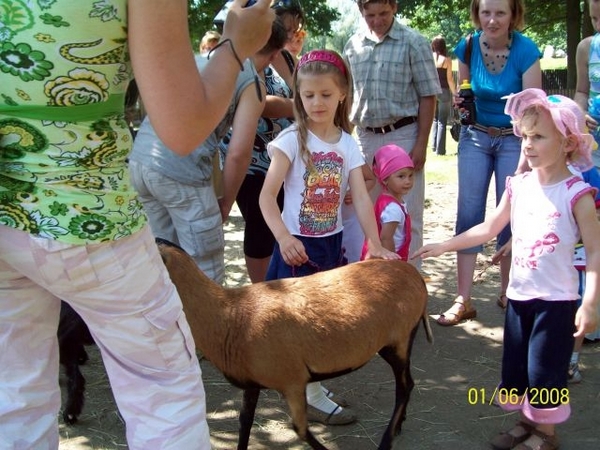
column 555, row 82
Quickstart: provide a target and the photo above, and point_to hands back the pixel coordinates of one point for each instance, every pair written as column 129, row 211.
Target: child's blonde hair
column 322, row 62
column 527, row 106
column 209, row 40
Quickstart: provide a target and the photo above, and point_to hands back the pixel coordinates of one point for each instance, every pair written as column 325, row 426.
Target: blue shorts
column 324, row 253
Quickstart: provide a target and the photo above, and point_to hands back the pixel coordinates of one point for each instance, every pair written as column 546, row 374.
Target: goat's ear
column 163, row 245
column 166, row 243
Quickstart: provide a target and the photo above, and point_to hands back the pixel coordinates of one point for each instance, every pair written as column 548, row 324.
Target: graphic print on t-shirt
column 321, row 199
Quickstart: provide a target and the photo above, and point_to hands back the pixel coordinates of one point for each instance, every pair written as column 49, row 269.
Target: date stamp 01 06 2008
column 504, row 396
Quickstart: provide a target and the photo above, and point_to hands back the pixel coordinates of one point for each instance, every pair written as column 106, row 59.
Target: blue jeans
column 480, row 156
column 442, row 114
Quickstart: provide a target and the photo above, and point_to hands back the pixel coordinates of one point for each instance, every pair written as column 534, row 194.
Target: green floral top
column 63, row 137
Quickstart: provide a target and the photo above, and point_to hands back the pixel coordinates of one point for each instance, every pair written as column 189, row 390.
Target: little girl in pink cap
column 394, row 170
column 549, row 210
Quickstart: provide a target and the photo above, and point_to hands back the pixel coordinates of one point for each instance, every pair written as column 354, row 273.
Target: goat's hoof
column 344, row 417
column 83, row 357
column 69, row 419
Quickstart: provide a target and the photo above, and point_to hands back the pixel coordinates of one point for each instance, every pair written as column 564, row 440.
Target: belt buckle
column 382, row 130
column 494, row 131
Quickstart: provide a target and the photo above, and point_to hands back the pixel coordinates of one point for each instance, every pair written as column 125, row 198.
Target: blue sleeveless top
column 488, row 87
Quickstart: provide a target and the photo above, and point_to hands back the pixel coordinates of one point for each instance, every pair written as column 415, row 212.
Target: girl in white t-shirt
column 549, row 210
column 316, row 159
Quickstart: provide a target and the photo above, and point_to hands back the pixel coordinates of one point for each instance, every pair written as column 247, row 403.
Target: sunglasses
column 278, row 4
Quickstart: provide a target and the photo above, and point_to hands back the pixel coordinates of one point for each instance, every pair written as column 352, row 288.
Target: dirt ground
column 454, row 377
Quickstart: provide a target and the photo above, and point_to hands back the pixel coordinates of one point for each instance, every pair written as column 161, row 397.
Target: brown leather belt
column 494, row 131
column 393, row 126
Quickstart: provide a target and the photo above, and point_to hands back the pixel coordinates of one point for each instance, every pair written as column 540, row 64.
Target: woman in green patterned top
column 71, row 226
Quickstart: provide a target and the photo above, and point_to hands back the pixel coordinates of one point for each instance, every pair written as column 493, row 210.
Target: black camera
column 219, row 19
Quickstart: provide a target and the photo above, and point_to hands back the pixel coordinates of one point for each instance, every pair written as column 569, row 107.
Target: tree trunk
column 574, row 30
column 587, row 29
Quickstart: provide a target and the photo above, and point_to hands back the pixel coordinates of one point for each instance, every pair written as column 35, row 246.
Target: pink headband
column 326, row 56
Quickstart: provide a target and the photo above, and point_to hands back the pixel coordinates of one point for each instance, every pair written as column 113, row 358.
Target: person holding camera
column 73, row 227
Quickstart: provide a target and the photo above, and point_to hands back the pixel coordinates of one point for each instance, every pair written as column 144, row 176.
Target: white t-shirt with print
column 312, row 202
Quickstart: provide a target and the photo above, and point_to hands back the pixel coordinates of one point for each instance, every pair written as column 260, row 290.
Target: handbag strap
column 289, row 60
column 468, row 50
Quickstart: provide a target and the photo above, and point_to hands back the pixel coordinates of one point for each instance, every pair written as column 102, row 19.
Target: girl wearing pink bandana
column 394, row 170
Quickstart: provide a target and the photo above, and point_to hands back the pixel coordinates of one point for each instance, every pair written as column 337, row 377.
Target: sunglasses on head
column 277, row 4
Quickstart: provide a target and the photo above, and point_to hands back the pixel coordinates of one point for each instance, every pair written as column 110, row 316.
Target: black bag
column 455, row 127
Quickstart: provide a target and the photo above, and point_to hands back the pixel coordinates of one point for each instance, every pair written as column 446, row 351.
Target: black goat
column 73, row 335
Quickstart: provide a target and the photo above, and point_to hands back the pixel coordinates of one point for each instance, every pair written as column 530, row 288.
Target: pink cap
column 389, row 159
column 567, row 116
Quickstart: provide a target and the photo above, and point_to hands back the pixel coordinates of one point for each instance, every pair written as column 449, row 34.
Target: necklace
column 495, row 60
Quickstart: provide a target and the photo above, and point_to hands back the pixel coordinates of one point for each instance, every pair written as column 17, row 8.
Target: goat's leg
column 249, row 401
column 404, row 385
column 312, row 441
column 296, row 400
column 75, row 392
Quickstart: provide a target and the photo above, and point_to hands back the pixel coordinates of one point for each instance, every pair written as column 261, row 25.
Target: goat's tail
column 426, row 325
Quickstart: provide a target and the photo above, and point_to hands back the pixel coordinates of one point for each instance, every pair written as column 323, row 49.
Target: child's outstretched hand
column 502, row 252
column 293, row 251
column 428, row 251
column 378, row 251
column 586, row 320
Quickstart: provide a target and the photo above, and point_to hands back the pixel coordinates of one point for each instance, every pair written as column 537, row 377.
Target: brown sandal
column 538, row 441
column 506, row 440
column 502, row 301
column 457, row 313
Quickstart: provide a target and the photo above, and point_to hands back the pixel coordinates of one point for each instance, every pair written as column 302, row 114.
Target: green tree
column 561, row 24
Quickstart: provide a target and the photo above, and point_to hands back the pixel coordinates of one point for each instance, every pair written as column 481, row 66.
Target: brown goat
column 283, row 334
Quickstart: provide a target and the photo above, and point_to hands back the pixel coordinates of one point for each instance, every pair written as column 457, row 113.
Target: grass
column 553, row 63
column 442, row 169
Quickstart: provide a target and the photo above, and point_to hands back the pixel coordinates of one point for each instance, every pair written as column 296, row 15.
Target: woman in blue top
column 502, row 61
